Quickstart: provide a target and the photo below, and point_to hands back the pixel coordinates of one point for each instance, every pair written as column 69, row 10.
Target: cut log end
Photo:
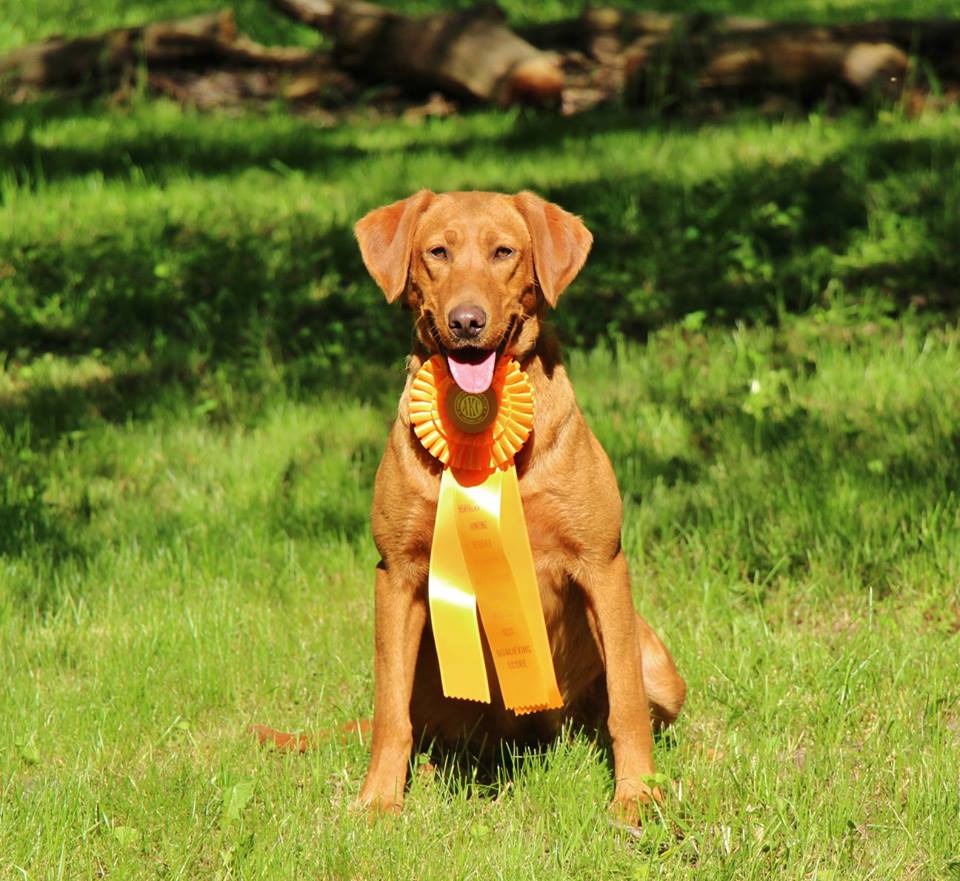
column 536, row 81
column 875, row 65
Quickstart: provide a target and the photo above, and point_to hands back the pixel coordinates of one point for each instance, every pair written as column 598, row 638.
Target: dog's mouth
column 472, row 367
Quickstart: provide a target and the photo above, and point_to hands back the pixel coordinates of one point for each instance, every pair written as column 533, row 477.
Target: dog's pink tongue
column 473, row 378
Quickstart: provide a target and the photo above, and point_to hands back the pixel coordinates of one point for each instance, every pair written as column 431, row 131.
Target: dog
column 479, row 271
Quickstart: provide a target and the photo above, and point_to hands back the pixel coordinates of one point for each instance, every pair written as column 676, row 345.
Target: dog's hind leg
column 664, row 686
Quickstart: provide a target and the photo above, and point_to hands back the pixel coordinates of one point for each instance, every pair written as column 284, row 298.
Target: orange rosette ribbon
column 449, row 436
column 480, row 559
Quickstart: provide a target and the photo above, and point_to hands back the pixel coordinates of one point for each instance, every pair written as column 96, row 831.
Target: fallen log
column 98, row 61
column 667, row 57
column 468, row 53
column 805, row 67
column 655, row 58
column 936, row 38
column 789, row 63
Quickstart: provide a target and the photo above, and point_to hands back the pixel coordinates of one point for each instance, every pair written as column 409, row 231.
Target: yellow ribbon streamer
column 480, row 557
column 453, row 606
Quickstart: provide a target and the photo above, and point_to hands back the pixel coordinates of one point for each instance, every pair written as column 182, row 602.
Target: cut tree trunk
column 98, row 61
column 469, row 53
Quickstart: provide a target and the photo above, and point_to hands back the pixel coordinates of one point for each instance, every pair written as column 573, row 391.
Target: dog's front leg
column 400, row 615
column 615, row 622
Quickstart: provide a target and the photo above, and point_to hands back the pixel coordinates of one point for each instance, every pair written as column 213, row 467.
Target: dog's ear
column 385, row 236
column 560, row 243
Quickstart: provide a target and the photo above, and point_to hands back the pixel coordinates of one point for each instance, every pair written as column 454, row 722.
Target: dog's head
column 478, row 269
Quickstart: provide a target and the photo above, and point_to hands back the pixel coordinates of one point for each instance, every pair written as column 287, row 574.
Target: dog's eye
column 439, row 252
column 502, row 253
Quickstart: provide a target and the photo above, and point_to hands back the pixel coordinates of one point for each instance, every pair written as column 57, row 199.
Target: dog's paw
column 633, row 802
column 376, row 803
column 377, row 807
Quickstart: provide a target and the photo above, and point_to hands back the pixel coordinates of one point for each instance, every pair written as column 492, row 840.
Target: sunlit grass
column 153, row 229
column 210, row 565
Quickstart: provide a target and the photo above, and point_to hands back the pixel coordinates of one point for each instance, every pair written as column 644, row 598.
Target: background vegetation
column 196, row 378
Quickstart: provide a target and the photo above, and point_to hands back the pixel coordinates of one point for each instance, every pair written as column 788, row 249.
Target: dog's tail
column 301, row 743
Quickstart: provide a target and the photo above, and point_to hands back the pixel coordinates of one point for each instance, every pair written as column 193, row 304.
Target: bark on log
column 470, row 53
column 98, row 61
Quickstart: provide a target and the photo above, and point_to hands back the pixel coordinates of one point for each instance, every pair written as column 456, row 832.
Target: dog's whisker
column 432, row 331
column 511, row 333
column 517, row 328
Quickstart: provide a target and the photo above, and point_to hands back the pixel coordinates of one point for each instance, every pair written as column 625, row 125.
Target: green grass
column 792, row 526
column 196, row 381
column 157, row 230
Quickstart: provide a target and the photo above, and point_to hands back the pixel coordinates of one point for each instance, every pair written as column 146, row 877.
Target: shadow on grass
column 160, row 154
column 26, row 520
column 765, row 238
column 221, row 395
column 748, row 244
column 217, row 291
column 216, row 146
column 492, row 772
column 51, row 410
column 208, row 147
column 743, row 245
column 37, row 537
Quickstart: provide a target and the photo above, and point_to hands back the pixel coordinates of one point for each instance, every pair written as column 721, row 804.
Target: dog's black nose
column 467, row 322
